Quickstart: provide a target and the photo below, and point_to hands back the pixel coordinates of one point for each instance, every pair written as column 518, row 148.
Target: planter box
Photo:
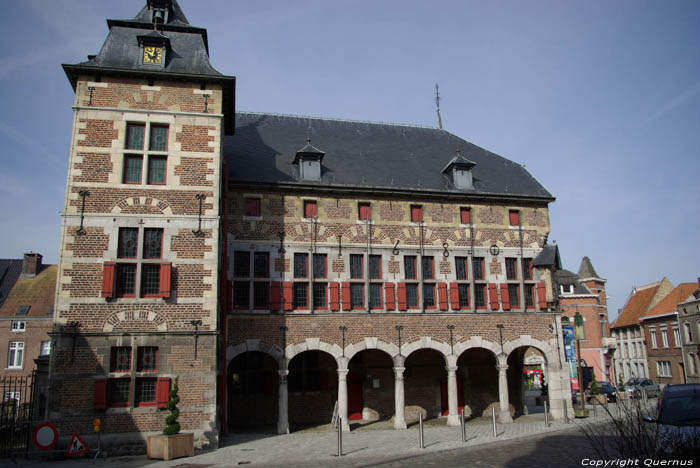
column 580, row 413
column 167, row 447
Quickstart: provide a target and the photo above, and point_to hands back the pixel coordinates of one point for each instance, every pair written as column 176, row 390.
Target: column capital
column 343, row 374
column 451, row 369
column 283, row 373
column 502, row 367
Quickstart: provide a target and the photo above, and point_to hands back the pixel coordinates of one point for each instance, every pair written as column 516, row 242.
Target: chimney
column 699, row 282
column 31, row 265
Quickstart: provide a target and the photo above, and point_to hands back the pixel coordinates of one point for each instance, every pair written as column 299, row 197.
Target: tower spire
column 437, row 103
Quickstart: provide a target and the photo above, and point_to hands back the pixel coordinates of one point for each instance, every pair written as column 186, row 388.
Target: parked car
column 678, row 419
column 636, row 385
column 610, row 392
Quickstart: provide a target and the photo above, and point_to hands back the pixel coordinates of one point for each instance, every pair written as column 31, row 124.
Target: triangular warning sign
column 76, row 446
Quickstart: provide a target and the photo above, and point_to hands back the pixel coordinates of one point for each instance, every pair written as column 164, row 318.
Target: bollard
column 546, row 415
column 340, row 436
column 493, row 415
column 420, row 431
column 464, row 426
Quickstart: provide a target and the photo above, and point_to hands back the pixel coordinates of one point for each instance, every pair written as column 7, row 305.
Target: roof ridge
column 335, row 119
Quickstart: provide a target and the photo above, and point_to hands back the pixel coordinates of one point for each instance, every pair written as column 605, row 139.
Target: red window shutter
column 275, row 296
column 505, row 297
column 364, row 211
column 166, row 271
column 401, row 296
column 466, row 215
column 309, row 209
column 108, row 280
column 454, row 295
column 541, row 296
column 442, row 296
column 514, row 218
column 100, row 401
column 287, row 295
column 346, row 296
column 162, row 392
column 389, row 293
column 335, row 295
column 416, row 213
column 493, row 296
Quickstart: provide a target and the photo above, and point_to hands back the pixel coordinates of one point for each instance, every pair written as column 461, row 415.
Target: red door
column 444, row 402
column 355, row 403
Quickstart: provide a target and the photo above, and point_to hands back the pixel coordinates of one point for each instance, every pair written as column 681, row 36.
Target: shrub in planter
column 172, row 444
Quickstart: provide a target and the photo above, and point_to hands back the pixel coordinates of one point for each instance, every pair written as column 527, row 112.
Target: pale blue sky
column 599, row 100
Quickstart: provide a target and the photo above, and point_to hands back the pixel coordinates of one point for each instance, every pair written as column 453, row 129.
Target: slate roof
column 187, row 57
column 10, row 270
column 566, row 277
column 37, row 292
column 639, row 303
column 586, row 270
column 362, row 155
column 669, row 304
column 548, row 257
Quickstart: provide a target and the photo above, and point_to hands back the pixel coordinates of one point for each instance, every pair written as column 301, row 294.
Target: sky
column 599, row 100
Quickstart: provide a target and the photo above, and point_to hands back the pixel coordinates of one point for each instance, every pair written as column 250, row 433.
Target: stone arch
column 142, row 205
column 273, row 351
column 140, row 320
column 371, row 343
column 426, row 342
column 315, row 344
column 477, row 342
column 550, row 354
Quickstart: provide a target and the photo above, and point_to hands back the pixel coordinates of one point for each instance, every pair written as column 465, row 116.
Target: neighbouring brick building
column 27, row 292
column 309, row 264
column 689, row 323
column 584, row 292
column 662, row 337
column 631, row 356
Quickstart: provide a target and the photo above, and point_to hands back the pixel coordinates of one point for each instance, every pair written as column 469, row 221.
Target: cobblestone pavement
column 524, row 443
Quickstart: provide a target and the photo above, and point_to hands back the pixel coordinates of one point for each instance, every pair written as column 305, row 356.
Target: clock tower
column 137, row 305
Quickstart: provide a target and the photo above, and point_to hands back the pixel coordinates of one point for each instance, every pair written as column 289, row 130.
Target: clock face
column 152, row 54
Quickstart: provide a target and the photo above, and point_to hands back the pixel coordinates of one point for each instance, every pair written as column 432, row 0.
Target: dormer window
column 154, row 48
column 567, row 288
column 460, row 170
column 308, row 159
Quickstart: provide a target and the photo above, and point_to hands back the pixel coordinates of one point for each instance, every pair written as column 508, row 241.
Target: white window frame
column 693, row 370
column 16, row 348
column 677, row 337
column 47, row 345
column 570, row 288
column 664, row 338
column 688, row 332
column 663, row 369
column 18, row 326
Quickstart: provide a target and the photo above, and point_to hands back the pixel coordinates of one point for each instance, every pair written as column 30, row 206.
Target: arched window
column 688, row 332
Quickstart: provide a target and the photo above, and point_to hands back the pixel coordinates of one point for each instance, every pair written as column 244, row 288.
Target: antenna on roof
column 437, row 103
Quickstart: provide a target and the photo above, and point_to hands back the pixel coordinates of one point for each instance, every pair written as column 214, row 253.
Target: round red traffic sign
column 45, row 435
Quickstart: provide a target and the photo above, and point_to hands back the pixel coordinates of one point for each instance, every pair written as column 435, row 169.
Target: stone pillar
column 283, row 404
column 504, row 413
column 343, row 398
column 452, row 400
column 399, row 399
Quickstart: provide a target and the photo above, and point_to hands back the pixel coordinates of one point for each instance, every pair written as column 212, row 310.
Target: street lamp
column 578, row 327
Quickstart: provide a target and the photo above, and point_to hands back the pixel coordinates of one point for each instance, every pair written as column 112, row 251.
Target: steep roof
column 670, row 302
column 187, row 57
column 10, row 270
column 367, row 155
column 566, row 277
column 37, row 292
column 548, row 257
column 586, row 270
column 641, row 301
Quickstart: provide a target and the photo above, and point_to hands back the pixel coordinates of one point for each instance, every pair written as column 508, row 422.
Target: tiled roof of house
column 10, row 270
column 670, row 303
column 640, row 302
column 566, row 277
column 366, row 155
column 37, row 293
